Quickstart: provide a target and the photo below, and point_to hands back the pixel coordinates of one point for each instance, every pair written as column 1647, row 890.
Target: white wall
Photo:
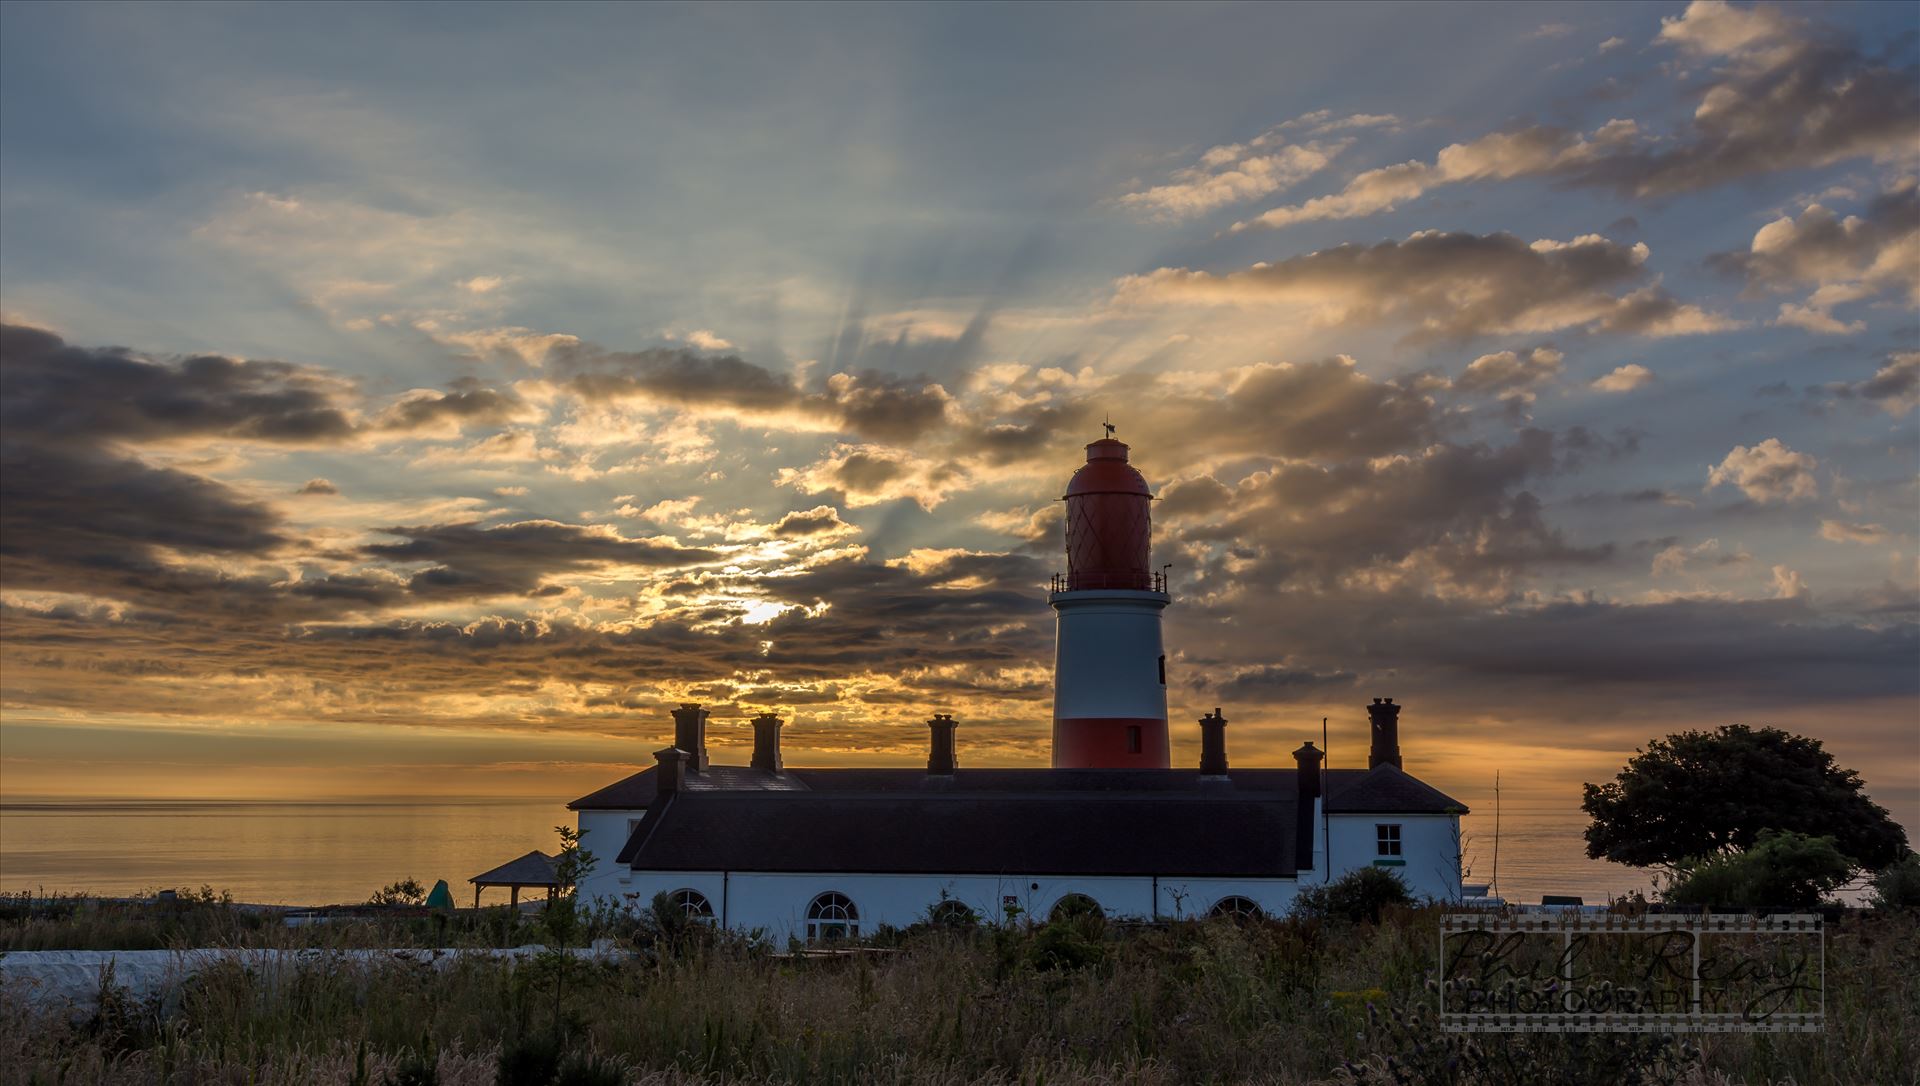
column 1428, row 843
column 604, row 833
column 1107, row 653
column 777, row 903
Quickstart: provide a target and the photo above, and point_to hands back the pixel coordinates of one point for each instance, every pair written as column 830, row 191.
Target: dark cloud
column 468, row 560
column 1781, row 94
column 816, row 521
column 1269, row 684
column 468, row 402
column 1453, row 513
column 1449, row 286
column 867, row 403
column 51, row 392
column 84, row 512
column 1894, row 387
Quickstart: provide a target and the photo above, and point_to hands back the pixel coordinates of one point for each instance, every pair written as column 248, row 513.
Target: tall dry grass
column 1278, row 1002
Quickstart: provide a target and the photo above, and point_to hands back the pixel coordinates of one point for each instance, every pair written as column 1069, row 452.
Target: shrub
column 1782, row 869
column 529, row 1060
column 1356, row 897
column 414, row 1068
column 404, row 892
column 586, row 1069
column 1897, row 886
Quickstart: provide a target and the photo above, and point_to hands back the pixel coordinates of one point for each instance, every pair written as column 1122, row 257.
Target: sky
column 423, row 399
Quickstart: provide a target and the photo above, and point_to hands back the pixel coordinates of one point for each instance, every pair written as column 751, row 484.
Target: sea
column 323, row 853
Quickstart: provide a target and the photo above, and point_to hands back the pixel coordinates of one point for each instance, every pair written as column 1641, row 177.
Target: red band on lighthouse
column 1110, row 694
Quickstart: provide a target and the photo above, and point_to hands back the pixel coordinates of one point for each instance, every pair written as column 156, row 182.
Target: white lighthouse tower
column 1109, row 667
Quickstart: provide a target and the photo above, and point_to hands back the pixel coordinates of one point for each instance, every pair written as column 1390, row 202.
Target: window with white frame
column 832, row 916
column 1387, row 835
column 1236, row 907
column 693, row 903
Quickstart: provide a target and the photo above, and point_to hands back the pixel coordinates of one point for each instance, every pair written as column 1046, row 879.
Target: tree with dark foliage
column 1701, row 794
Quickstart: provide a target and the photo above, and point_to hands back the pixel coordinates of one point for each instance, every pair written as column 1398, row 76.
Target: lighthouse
column 1109, row 666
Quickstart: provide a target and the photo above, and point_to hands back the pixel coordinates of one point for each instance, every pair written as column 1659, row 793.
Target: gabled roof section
column 637, row 791
column 961, row 834
column 533, row 869
column 1387, row 789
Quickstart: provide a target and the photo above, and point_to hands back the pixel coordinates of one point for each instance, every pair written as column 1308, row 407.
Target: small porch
column 535, row 869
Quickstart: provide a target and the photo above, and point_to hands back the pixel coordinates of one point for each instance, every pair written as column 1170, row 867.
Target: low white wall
column 1429, row 847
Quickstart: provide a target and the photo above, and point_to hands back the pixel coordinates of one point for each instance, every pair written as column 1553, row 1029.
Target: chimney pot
column 1384, row 719
column 1213, row 745
column 690, row 734
column 941, row 757
column 766, row 743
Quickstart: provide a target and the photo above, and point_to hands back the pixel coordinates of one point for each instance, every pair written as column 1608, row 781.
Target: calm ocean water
column 322, row 853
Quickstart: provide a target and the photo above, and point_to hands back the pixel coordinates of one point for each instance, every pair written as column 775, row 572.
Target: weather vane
column 1109, row 425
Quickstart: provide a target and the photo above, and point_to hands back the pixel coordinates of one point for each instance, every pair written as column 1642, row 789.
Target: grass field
column 1081, row 1002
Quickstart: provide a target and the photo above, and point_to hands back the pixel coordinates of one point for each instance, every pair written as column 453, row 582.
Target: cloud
column 1625, row 378
column 318, row 487
column 1788, row 96
column 1610, row 44
column 55, row 393
column 466, row 560
column 869, row 404
column 483, row 284
column 872, row 474
column 1844, row 532
column 1449, row 286
column 1232, row 174
column 1844, row 260
column 469, row 403
column 1895, row 386
column 1767, row 472
column 1510, row 372
column 705, row 340
column 820, row 520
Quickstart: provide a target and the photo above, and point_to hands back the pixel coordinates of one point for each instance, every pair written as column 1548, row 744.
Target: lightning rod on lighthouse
column 1110, row 667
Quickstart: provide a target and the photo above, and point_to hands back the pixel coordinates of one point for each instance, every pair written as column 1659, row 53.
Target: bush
column 529, row 1060
column 414, row 1068
column 585, row 1069
column 1782, row 869
column 404, row 892
column 1356, row 897
column 1897, row 886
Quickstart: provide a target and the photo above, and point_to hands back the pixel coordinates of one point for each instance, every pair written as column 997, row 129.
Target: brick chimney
column 1385, row 716
column 766, row 743
column 941, row 760
column 1213, row 745
column 1306, row 790
column 690, row 735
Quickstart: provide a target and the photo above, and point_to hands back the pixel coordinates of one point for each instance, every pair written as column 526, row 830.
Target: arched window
column 1236, row 907
column 832, row 916
column 952, row 914
column 693, row 903
column 1076, row 906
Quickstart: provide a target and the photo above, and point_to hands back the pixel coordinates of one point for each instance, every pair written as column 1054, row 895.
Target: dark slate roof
column 963, row 833
column 1382, row 790
column 1386, row 789
column 533, row 869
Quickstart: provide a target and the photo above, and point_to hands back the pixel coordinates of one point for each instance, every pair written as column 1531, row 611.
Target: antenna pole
column 1494, row 884
column 1326, row 829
